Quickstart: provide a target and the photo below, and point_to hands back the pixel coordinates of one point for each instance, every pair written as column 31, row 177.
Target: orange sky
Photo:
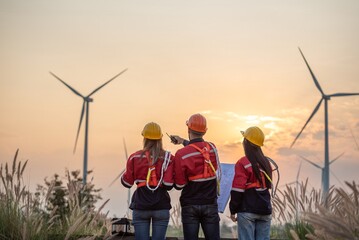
column 236, row 62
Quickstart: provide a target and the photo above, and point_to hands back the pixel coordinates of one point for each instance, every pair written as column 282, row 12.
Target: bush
column 53, row 212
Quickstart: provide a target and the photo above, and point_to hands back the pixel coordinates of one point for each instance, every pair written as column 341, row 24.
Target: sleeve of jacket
column 238, row 187
column 179, row 173
column 168, row 178
column 127, row 178
column 234, row 203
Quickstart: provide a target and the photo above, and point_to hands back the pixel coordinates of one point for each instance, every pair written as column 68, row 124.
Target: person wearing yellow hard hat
column 151, row 169
column 197, row 173
column 250, row 197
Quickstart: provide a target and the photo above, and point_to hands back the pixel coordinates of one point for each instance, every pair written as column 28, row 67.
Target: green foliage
column 59, row 196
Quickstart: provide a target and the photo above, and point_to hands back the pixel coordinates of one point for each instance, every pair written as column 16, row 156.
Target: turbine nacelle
column 326, row 97
column 88, row 99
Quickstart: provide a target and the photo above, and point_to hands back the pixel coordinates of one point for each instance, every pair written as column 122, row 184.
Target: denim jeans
column 253, row 226
column 204, row 215
column 142, row 220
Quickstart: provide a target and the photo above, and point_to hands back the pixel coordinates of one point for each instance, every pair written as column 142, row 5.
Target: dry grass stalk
column 175, row 215
column 340, row 219
column 23, row 215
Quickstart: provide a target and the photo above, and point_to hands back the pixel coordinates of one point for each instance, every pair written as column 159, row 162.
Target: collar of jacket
column 196, row 140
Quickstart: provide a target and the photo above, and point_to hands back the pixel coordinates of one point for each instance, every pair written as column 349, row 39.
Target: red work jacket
column 197, row 189
column 137, row 170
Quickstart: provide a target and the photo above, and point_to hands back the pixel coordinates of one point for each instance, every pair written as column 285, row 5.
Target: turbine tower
column 85, row 110
column 326, row 98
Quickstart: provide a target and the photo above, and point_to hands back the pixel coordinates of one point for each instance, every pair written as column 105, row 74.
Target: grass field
column 298, row 212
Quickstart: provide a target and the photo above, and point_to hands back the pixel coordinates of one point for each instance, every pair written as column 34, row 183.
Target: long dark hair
column 258, row 160
column 155, row 147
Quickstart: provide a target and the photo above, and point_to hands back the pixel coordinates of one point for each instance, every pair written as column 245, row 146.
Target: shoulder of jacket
column 135, row 155
column 243, row 161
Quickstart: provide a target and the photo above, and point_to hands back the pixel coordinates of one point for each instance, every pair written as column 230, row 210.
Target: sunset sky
column 236, row 62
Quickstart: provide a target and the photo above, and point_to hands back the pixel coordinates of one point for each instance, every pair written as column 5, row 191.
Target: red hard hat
column 197, row 123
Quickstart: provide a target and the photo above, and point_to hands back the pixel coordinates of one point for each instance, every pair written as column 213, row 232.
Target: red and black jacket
column 194, row 176
column 248, row 194
column 145, row 198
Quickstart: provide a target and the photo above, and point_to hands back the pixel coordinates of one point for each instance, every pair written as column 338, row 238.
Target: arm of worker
column 127, row 178
column 234, row 203
column 179, row 140
column 179, row 174
column 238, row 189
column 168, row 178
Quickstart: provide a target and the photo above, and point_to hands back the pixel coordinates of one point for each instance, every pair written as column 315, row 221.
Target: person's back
column 196, row 189
column 250, row 203
column 196, row 167
column 151, row 169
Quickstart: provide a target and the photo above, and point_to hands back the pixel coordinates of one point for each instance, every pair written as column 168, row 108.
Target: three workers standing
column 195, row 170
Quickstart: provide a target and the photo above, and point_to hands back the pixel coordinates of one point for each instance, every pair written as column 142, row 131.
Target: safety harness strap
column 151, row 178
column 209, row 170
column 257, row 183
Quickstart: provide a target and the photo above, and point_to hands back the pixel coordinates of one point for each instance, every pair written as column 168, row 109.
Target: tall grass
column 340, row 219
column 305, row 214
column 24, row 215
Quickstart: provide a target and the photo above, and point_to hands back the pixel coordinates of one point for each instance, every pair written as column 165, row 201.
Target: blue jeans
column 253, row 226
column 142, row 220
column 204, row 215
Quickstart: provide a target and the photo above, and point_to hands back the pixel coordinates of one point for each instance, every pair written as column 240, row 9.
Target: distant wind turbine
column 129, row 190
column 119, row 175
column 325, row 97
column 85, row 110
column 297, row 178
column 355, row 140
column 297, row 183
column 322, row 168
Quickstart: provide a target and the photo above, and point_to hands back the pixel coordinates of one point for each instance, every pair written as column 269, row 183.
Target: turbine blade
column 300, row 165
column 336, row 158
column 340, row 182
column 314, row 164
column 355, row 140
column 71, row 88
column 117, row 178
column 78, row 130
column 106, row 83
column 342, row 94
column 311, row 73
column 313, row 113
column 124, row 145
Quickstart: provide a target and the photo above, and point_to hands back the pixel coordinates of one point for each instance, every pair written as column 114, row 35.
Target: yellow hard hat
column 254, row 135
column 152, row 131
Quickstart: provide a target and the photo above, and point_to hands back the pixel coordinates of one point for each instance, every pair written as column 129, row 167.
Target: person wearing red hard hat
column 197, row 174
column 250, row 197
column 151, row 169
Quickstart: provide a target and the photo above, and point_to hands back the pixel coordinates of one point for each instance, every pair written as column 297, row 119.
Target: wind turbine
column 297, row 178
column 119, row 175
column 129, row 190
column 355, row 140
column 326, row 98
column 322, row 168
column 85, row 110
column 297, row 183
